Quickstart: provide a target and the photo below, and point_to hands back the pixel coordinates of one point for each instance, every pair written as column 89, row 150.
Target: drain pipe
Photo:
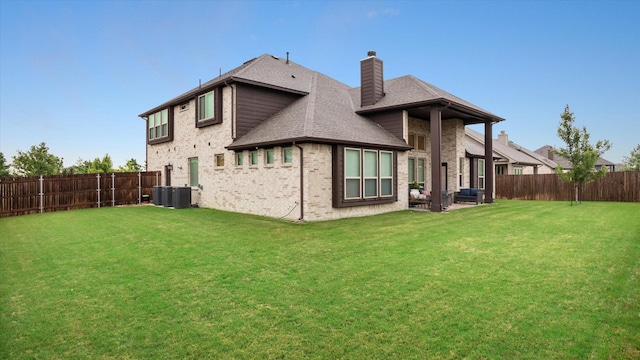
column 301, row 180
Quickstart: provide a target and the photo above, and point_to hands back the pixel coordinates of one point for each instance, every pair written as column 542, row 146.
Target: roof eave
column 306, row 139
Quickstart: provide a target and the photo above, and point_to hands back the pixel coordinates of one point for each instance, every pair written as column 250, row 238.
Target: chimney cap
column 371, row 53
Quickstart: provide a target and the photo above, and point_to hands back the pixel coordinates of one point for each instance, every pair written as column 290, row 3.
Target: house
column 509, row 158
column 274, row 138
column 546, row 151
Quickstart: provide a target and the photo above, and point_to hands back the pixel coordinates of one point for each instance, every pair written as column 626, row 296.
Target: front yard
column 516, row 279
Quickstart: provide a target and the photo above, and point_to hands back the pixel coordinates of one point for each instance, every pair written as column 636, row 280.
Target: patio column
column 488, row 162
column 435, row 120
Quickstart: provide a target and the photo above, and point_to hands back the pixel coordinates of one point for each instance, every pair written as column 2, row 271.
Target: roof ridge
column 309, row 114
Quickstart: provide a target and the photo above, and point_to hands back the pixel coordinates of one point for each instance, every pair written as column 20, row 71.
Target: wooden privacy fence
column 39, row 194
column 614, row 186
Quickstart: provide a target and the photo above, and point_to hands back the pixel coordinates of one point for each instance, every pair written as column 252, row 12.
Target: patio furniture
column 469, row 195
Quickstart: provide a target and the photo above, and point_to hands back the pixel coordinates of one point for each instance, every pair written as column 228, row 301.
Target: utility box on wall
column 167, row 199
column 157, row 195
column 181, row 197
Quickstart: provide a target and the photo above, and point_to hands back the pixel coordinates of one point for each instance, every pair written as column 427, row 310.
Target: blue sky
column 76, row 74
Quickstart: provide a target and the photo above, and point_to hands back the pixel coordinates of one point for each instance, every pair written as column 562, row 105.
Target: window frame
column 269, row 157
column 284, row 155
column 163, row 129
column 339, row 164
column 239, row 158
column 191, row 174
column 481, row 173
column 218, row 163
column 216, row 117
column 252, row 158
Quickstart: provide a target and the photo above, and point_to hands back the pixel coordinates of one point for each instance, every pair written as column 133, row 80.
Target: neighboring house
column 547, row 152
column 273, row 138
column 509, row 158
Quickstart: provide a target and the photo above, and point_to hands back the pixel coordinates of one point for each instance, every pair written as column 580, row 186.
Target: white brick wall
column 268, row 190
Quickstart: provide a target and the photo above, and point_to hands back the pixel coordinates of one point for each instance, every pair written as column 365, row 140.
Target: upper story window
column 205, row 106
column 159, row 127
column 269, row 157
column 209, row 108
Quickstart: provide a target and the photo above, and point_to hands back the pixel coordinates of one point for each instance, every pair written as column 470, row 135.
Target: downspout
column 301, row 181
column 233, row 129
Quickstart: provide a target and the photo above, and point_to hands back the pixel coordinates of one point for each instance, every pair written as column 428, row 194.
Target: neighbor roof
column 513, row 154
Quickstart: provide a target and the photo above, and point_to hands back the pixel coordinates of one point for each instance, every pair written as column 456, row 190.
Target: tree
column 4, row 167
column 131, row 166
column 580, row 153
column 37, row 161
column 632, row 163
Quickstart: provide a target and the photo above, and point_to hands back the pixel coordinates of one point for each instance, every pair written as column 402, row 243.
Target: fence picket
column 39, row 194
column 614, row 186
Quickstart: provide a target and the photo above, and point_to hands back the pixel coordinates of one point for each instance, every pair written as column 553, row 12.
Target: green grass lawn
column 512, row 280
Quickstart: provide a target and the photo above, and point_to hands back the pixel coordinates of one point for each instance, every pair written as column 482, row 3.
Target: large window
column 481, row 173
column 159, row 125
column 193, row 172
column 368, row 174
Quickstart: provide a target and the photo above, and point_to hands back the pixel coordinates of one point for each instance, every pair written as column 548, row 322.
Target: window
column 460, row 171
column 159, row 125
column 269, row 157
column 352, row 173
column 205, row 106
column 386, row 173
column 209, row 108
column 368, row 173
column 254, row 157
column 518, row 171
column 500, row 169
column 412, row 140
column 363, row 176
column 421, row 172
column 287, row 155
column 219, row 160
column 481, row 173
column 417, row 170
column 193, row 172
column 421, row 142
column 239, row 159
column 412, row 170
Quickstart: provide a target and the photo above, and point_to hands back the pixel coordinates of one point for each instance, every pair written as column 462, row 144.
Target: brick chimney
column 371, row 80
column 503, row 138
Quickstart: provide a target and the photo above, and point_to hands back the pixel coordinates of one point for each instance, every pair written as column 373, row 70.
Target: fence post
column 113, row 190
column 139, row 188
column 41, row 194
column 98, row 177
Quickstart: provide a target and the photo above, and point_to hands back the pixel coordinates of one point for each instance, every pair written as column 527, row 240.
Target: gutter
column 301, row 181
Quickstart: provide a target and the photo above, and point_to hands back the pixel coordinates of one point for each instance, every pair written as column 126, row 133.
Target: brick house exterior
column 273, row 138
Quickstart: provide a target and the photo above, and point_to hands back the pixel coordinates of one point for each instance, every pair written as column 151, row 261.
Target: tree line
column 39, row 161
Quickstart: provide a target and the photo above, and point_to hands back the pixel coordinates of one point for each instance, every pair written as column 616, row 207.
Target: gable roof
column 545, row 150
column 326, row 115
column 513, row 153
column 328, row 111
column 409, row 91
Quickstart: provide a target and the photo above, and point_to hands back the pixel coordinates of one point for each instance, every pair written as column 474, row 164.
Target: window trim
column 218, row 157
column 161, row 139
column 190, row 162
column 217, row 108
column 266, row 157
column 339, row 199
